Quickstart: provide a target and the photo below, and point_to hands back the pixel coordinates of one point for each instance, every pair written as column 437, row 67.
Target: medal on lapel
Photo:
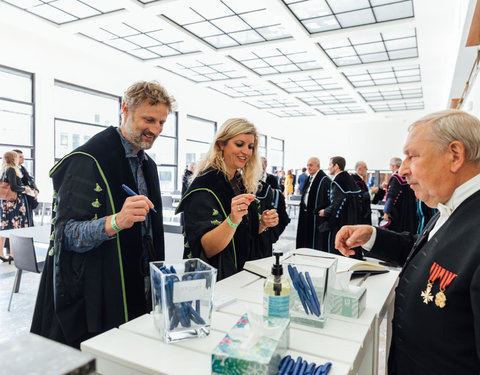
column 435, row 271
column 440, row 298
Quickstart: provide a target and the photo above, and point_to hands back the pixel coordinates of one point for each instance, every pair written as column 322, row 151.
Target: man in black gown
column 436, row 319
column 344, row 202
column 365, row 210
column 312, row 230
column 400, row 202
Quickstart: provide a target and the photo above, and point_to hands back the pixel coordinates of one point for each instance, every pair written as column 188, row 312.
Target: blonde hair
column 10, row 161
column 454, row 125
column 252, row 171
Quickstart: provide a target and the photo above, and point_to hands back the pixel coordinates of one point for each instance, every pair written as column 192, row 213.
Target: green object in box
column 252, row 348
column 350, row 303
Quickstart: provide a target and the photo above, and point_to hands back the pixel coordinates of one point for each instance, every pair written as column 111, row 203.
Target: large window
column 80, row 113
column 200, row 134
column 164, row 153
column 16, row 114
column 276, row 156
column 262, row 145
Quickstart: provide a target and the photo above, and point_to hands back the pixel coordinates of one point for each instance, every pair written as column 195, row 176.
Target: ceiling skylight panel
column 403, row 53
column 393, row 11
column 246, row 37
column 339, row 6
column 142, row 40
column 230, row 24
column 164, row 50
column 203, row 29
column 52, row 14
column 121, row 44
column 76, row 8
column 273, row 32
column 365, row 48
column 143, row 54
column 403, row 43
column 221, row 41
column 374, row 57
column 318, row 25
column 356, row 18
column 211, row 9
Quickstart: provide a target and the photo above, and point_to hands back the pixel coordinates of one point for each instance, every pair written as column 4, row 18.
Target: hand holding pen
column 134, row 209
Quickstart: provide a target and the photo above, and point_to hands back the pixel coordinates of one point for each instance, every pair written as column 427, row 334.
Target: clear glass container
column 311, row 279
column 182, row 298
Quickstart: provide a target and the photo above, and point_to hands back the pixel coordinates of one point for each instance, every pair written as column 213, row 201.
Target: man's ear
column 456, row 151
column 124, row 109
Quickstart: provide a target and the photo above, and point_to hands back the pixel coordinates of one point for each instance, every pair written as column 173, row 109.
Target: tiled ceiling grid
column 290, row 58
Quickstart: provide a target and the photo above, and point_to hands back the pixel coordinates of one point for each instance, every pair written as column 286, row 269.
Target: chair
column 167, row 205
column 25, row 260
column 296, row 199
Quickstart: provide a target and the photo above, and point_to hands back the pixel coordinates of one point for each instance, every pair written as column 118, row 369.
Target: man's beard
column 136, row 137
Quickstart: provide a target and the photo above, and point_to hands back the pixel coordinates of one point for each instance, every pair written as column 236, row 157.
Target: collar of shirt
column 129, row 151
column 459, row 195
column 313, row 177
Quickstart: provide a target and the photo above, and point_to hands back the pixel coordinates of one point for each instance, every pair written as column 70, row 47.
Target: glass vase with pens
column 182, row 298
column 311, row 279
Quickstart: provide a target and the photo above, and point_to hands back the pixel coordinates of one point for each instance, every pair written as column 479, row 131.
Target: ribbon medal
column 446, row 277
column 440, row 298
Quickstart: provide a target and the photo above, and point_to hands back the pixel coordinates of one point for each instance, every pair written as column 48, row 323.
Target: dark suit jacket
column 272, row 181
column 428, row 339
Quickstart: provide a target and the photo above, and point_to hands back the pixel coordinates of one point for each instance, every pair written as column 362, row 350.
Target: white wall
column 104, row 69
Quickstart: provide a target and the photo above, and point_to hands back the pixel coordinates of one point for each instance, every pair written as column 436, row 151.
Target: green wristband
column 231, row 223
column 114, row 224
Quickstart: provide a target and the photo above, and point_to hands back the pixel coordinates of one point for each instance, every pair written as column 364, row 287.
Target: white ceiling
column 290, row 58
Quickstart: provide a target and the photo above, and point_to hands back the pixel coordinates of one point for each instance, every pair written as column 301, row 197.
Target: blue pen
column 312, row 288
column 132, row 194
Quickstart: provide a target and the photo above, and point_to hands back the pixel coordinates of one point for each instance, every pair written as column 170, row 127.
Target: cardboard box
column 350, row 303
column 250, row 349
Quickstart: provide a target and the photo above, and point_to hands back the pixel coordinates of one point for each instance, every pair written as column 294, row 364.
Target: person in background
column 27, row 180
column 13, row 213
column 281, row 181
column 186, row 177
column 270, row 179
column 344, row 202
column 400, row 202
column 222, row 218
column 359, row 177
column 288, row 184
column 96, row 274
column 312, row 230
column 301, row 180
column 435, row 328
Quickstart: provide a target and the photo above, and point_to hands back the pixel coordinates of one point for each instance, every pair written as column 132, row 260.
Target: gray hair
column 397, row 162
column 454, row 125
column 151, row 91
column 315, row 159
column 359, row 164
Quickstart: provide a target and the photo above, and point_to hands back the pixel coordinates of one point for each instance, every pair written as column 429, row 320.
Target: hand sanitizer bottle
column 276, row 292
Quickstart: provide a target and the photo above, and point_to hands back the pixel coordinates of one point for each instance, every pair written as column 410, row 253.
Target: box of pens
column 311, row 277
column 182, row 298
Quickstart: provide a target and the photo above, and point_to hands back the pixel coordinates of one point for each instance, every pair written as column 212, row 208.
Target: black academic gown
column 343, row 208
column 271, row 199
column 205, row 205
column 30, row 201
column 312, row 229
column 84, row 294
column 427, row 339
column 400, row 205
column 272, row 181
column 365, row 210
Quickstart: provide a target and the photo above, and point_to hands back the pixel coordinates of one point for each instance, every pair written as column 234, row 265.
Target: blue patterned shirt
column 82, row 236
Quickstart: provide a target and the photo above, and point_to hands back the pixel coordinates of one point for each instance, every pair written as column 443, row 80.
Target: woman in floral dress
column 13, row 213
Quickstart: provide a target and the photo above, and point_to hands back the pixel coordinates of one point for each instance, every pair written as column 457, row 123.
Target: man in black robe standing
column 344, row 202
column 400, row 202
column 365, row 210
column 435, row 328
column 312, row 230
column 96, row 274
column 270, row 179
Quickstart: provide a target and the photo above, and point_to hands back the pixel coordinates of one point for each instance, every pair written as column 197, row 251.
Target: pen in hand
column 132, row 194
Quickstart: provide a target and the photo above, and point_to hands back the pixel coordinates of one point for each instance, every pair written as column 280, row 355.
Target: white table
column 39, row 234
column 350, row 344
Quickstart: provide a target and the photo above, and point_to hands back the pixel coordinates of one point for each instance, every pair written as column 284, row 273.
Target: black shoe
column 3, row 259
column 10, row 260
